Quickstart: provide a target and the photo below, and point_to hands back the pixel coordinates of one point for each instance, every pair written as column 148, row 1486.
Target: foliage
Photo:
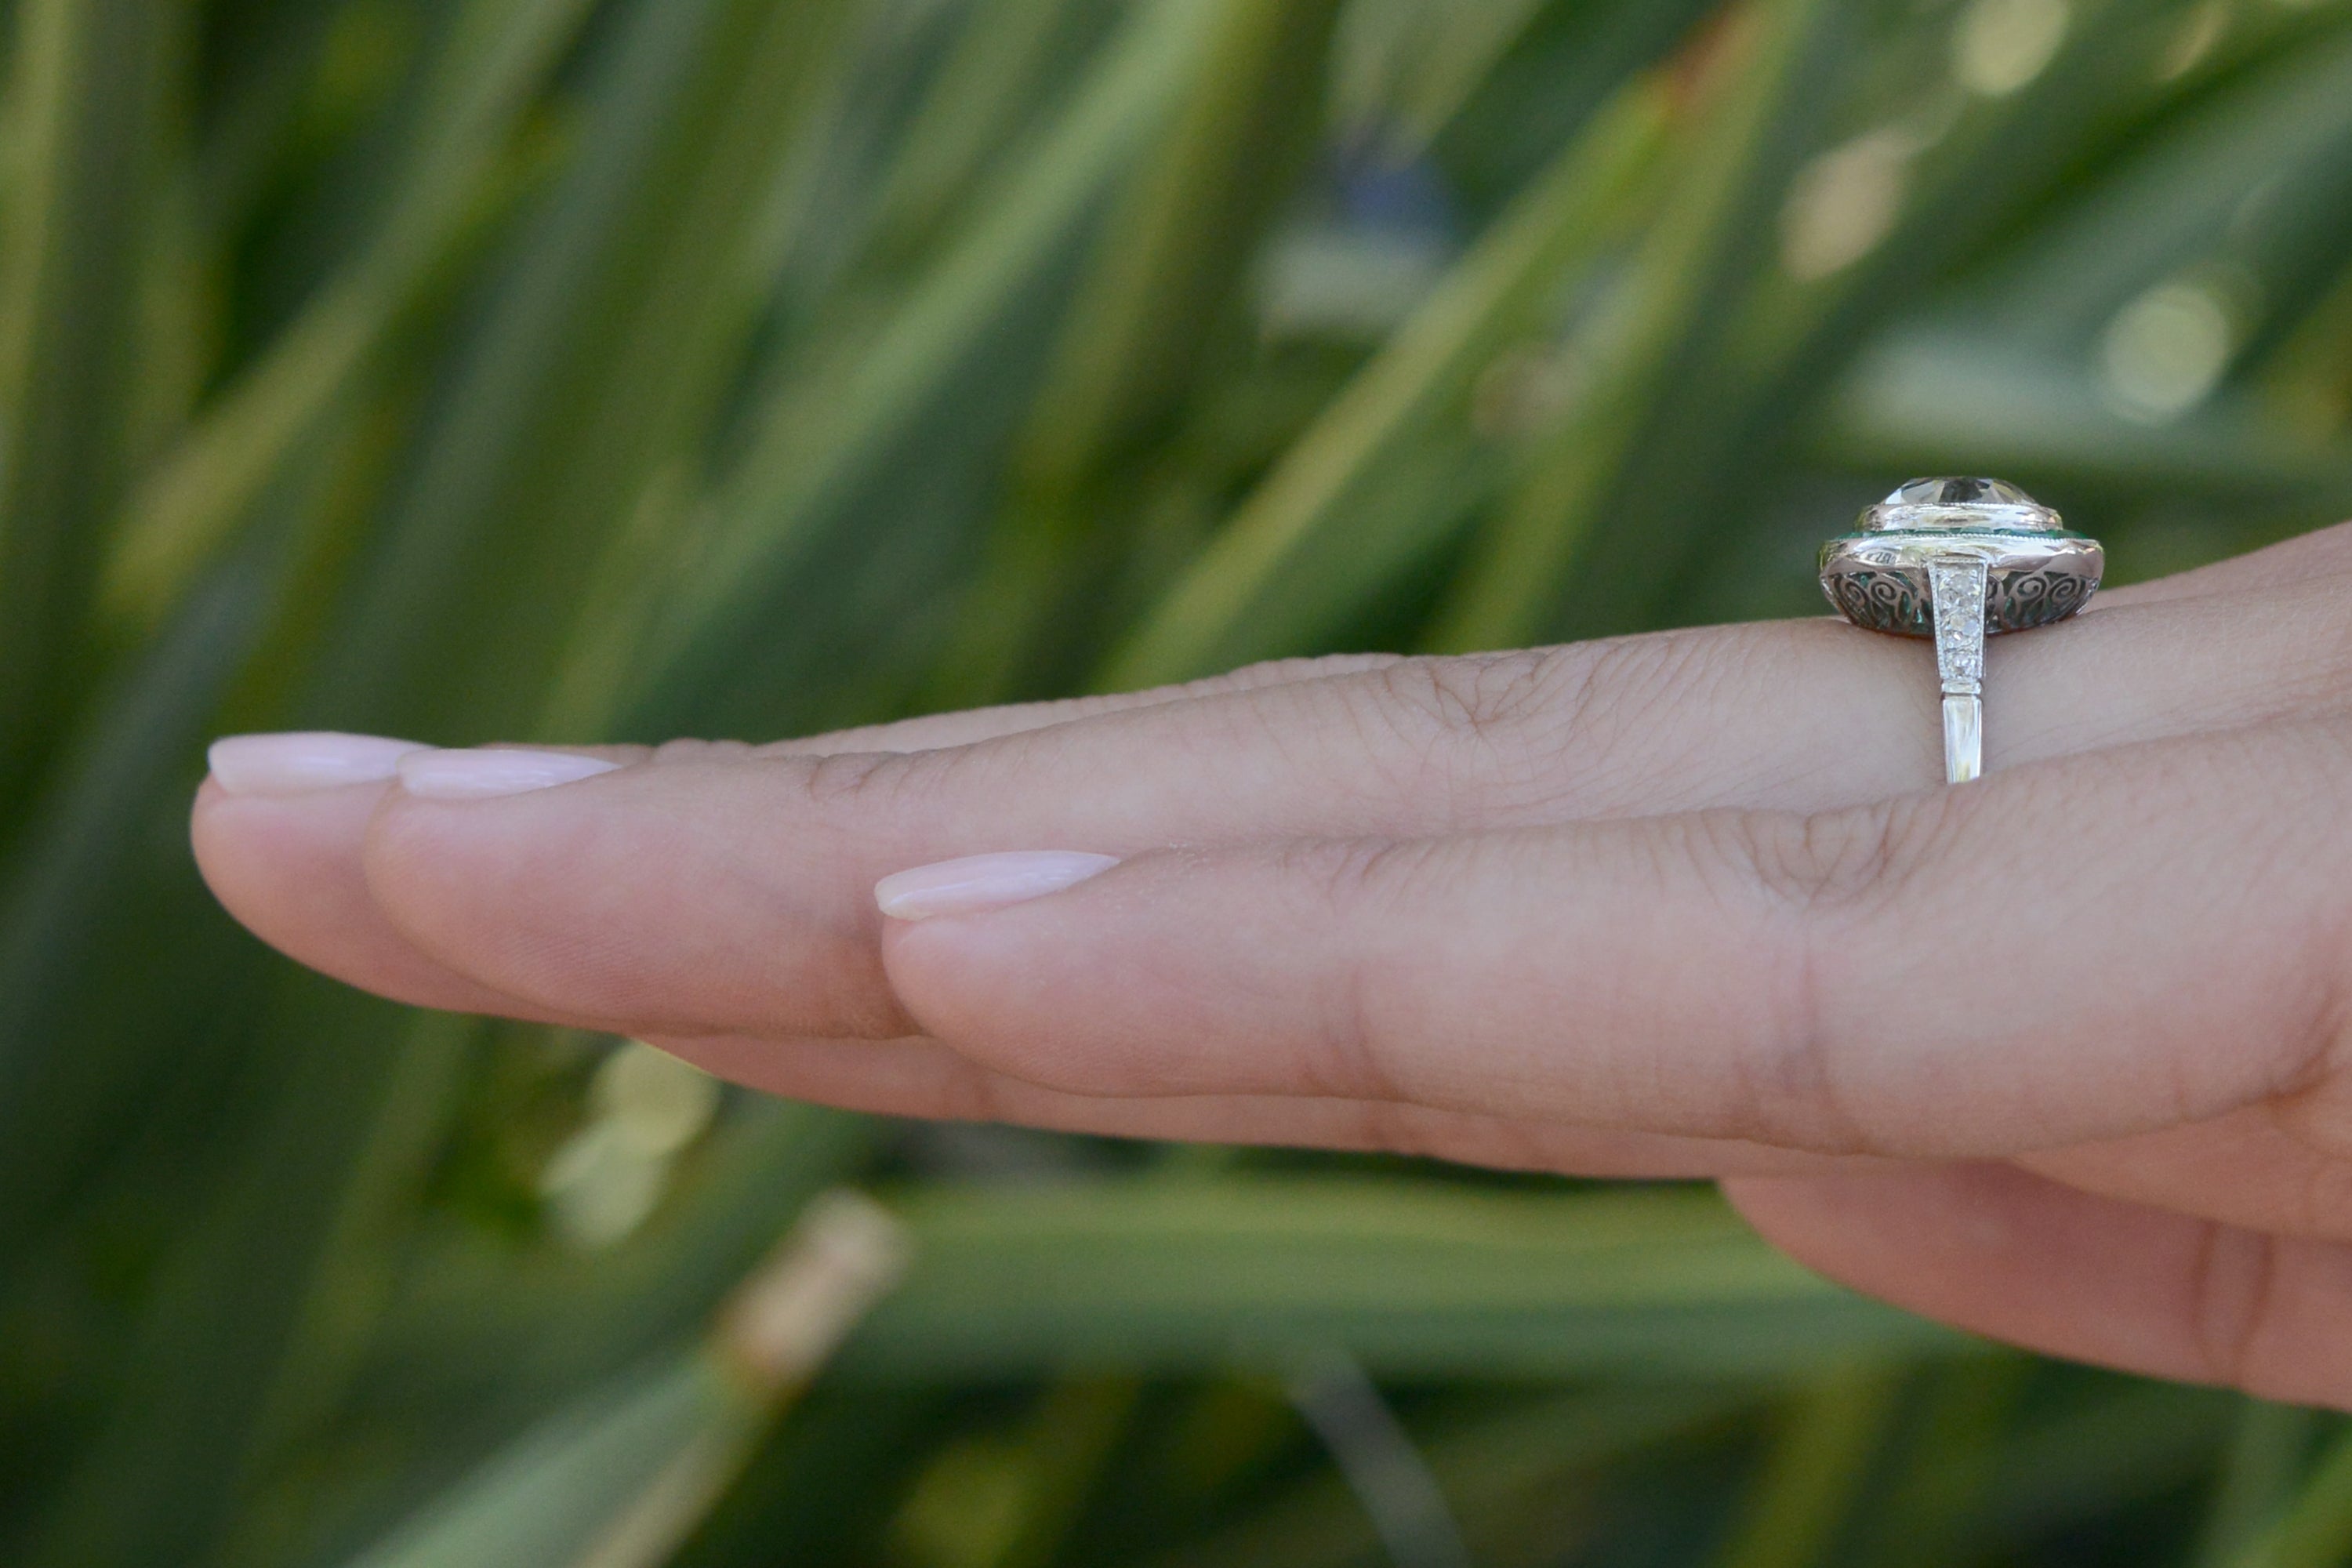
column 567, row 370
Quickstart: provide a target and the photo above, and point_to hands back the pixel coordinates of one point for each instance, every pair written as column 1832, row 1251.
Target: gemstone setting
column 2036, row 570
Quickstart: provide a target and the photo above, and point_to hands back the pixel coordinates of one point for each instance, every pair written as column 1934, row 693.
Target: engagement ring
column 1955, row 559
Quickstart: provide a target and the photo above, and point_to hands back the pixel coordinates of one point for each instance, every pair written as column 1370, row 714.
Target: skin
column 2060, row 1057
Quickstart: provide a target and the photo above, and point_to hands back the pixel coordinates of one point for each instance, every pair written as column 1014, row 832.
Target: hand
column 2059, row 1056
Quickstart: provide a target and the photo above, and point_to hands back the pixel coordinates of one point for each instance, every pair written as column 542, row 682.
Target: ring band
column 1958, row 560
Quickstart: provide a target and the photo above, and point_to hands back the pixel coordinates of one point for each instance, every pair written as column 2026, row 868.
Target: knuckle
column 1358, row 876
column 1476, row 696
column 1353, row 1046
column 1475, row 729
column 2231, row 1301
column 1493, row 731
column 850, row 779
column 1795, row 881
column 1851, row 860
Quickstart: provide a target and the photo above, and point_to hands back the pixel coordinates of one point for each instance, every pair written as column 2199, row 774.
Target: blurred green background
column 590, row 369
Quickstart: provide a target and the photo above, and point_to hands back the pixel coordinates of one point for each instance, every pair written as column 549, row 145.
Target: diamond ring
column 1955, row 559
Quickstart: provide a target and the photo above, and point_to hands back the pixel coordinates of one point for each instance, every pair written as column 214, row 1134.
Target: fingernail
column 984, row 881
column 493, row 770
column 303, row 761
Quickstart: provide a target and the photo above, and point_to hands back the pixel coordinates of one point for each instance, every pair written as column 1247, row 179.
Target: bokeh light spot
column 1844, row 202
column 2164, row 352
column 1998, row 46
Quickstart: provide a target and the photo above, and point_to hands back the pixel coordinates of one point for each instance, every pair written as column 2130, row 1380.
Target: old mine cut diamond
column 1959, row 493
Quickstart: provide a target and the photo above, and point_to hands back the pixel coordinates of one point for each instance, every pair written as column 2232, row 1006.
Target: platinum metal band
column 1958, row 585
column 1963, row 737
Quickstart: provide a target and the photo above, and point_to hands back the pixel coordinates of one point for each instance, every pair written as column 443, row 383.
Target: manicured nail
column 299, row 763
column 984, row 881
column 493, row 770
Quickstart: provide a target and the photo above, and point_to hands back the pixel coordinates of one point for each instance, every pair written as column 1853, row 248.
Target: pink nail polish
column 493, row 771
column 300, row 761
column 978, row 882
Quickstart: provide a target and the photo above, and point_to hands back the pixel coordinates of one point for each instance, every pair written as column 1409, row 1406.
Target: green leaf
column 1306, row 547
column 90, row 100
column 2260, row 1476
column 2317, row 1531
column 584, row 1489
column 1726, row 177
column 618, row 1478
column 1830, row 1435
column 1493, row 1469
column 190, row 505
column 1422, row 1282
column 817, row 442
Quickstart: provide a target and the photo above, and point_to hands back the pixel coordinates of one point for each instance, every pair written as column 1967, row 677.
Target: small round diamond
column 1959, row 493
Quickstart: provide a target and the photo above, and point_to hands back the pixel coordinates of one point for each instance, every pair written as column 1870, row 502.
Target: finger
column 2266, row 1167
column 2325, row 552
column 2202, row 666
column 2045, row 957
column 920, row 1077
column 2007, row 1254
column 287, row 865
column 293, row 878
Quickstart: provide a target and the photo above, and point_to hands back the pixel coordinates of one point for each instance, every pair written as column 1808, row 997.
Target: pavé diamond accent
column 1958, row 584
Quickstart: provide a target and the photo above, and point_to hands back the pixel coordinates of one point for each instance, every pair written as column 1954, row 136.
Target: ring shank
column 1957, row 584
column 1963, row 737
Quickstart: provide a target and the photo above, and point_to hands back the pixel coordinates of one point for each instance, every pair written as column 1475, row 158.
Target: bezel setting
column 2037, row 571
